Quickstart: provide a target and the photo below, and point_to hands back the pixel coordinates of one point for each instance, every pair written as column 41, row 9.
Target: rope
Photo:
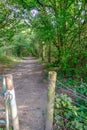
column 8, row 97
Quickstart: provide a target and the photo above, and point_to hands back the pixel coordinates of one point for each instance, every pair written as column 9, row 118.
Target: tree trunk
column 50, row 101
column 49, row 53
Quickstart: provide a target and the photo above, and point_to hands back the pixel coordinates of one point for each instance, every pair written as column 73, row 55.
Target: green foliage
column 5, row 59
column 8, row 60
column 67, row 116
column 4, row 128
column 74, row 62
column 82, row 89
column 60, row 26
column 55, row 31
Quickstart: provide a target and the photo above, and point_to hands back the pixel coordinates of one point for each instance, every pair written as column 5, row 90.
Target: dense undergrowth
column 7, row 62
column 70, row 111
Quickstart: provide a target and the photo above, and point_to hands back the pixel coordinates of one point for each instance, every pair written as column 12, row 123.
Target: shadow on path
column 30, row 94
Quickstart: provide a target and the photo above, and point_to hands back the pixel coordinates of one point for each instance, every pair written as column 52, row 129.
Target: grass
column 7, row 62
column 4, row 128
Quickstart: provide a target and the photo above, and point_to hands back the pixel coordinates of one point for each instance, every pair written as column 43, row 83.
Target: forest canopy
column 54, row 30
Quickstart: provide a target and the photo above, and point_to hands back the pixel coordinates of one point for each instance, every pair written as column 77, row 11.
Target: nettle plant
column 67, row 116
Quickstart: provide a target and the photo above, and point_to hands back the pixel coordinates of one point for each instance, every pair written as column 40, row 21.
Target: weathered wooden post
column 7, row 115
column 13, row 106
column 50, row 101
column 6, row 104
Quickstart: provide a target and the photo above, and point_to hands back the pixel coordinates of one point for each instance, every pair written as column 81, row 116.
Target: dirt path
column 30, row 94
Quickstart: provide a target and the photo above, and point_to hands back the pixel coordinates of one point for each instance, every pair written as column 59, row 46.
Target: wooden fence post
column 13, row 106
column 6, row 104
column 50, row 101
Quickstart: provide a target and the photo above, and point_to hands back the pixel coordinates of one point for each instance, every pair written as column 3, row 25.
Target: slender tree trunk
column 49, row 53
column 43, row 52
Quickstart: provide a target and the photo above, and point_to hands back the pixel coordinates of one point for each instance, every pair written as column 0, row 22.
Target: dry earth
column 31, row 90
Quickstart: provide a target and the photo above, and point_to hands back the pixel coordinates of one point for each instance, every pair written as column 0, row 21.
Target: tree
column 60, row 25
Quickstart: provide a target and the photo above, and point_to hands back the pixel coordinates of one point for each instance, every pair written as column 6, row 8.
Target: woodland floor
column 31, row 91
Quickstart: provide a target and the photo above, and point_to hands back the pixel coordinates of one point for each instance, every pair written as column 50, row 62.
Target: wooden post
column 50, row 101
column 13, row 106
column 7, row 115
column 6, row 105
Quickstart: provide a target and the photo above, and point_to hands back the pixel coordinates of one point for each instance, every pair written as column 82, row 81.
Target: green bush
column 67, row 116
column 8, row 60
column 5, row 59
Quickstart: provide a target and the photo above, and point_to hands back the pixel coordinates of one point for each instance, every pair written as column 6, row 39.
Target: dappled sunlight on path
column 30, row 94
